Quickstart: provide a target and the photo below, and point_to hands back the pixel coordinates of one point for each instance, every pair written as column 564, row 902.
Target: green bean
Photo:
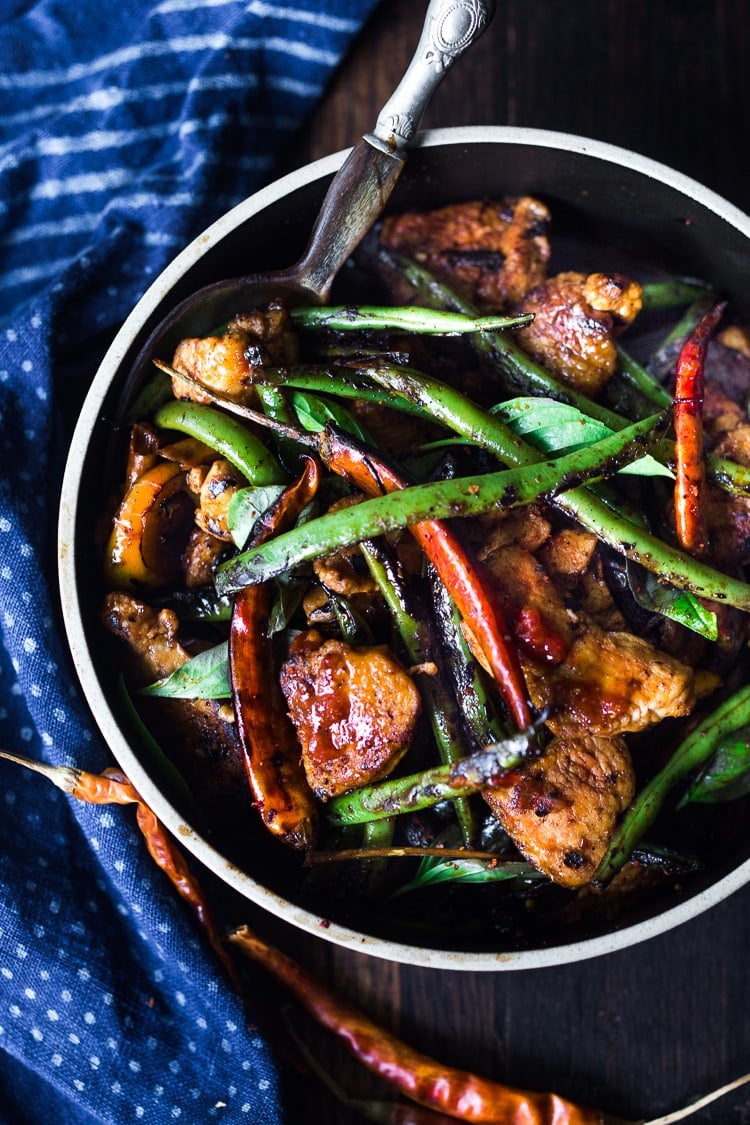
column 464, row 496
column 440, row 703
column 434, row 322
column 399, row 795
column 696, row 749
column 520, row 374
column 226, row 435
column 674, row 292
column 638, row 377
column 342, row 381
column 469, row 685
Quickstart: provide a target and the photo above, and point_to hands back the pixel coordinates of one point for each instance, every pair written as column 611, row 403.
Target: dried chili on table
column 458, row 1093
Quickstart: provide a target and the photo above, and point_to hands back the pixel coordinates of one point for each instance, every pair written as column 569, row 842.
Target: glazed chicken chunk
column 576, row 321
column 562, row 810
column 491, row 253
column 354, row 709
column 226, row 363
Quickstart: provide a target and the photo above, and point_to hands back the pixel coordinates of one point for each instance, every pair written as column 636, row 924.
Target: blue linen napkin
column 124, row 130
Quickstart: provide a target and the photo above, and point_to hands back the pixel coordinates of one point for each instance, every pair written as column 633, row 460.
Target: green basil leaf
column 205, row 676
column 678, row 605
column 286, row 603
column 314, row 413
column 554, row 427
column 433, row 870
column 726, row 775
column 246, row 506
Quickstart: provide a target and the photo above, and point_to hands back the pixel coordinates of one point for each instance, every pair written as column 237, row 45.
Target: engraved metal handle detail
column 450, row 28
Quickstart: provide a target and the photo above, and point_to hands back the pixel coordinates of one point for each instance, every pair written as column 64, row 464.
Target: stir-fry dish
column 443, row 596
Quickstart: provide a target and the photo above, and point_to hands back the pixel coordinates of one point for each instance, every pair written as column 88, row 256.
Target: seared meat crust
column 226, row 363
column 611, row 683
column 491, row 253
column 562, row 810
column 576, row 319
column 355, row 711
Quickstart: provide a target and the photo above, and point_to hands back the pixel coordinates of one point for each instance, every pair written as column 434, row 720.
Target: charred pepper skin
column 690, row 470
column 269, row 744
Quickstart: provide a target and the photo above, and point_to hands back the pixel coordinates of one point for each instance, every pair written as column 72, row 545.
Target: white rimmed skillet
column 606, row 196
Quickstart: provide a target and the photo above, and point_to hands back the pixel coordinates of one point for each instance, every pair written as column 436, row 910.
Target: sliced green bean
column 638, row 377
column 423, row 790
column 674, row 292
column 440, row 703
column 405, row 318
column 469, row 685
column 464, row 496
column 226, row 435
column 696, row 749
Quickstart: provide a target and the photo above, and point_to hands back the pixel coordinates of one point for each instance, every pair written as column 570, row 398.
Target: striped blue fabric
column 124, row 130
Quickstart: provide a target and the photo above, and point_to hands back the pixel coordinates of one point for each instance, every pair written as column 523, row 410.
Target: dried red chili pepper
column 462, row 576
column 458, row 1093
column 269, row 743
column 690, row 523
column 113, row 788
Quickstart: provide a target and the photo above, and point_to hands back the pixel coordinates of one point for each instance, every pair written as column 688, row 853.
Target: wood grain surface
column 640, row 1031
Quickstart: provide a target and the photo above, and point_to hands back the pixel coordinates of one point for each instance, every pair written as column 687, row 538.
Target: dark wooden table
column 639, row 1031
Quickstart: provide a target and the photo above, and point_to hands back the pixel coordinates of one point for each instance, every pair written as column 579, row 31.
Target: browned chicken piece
column 491, row 253
column 200, row 557
column 226, row 363
column 571, row 559
column 562, row 809
column 198, row 733
column 610, row 683
column 567, row 555
column 345, row 571
column 532, row 607
column 606, row 682
column 576, row 320
column 215, row 485
column 523, row 527
column 721, row 413
column 354, row 709
column 736, row 337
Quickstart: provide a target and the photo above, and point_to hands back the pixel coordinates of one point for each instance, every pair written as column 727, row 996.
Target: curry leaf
column 554, row 426
column 726, row 776
column 205, row 676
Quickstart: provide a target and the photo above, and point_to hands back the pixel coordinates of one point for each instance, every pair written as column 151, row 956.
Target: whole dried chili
column 458, row 1093
column 113, row 788
column 462, row 576
column 269, row 743
column 690, row 470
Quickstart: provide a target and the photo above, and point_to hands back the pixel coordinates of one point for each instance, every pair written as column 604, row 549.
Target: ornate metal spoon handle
column 450, row 28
